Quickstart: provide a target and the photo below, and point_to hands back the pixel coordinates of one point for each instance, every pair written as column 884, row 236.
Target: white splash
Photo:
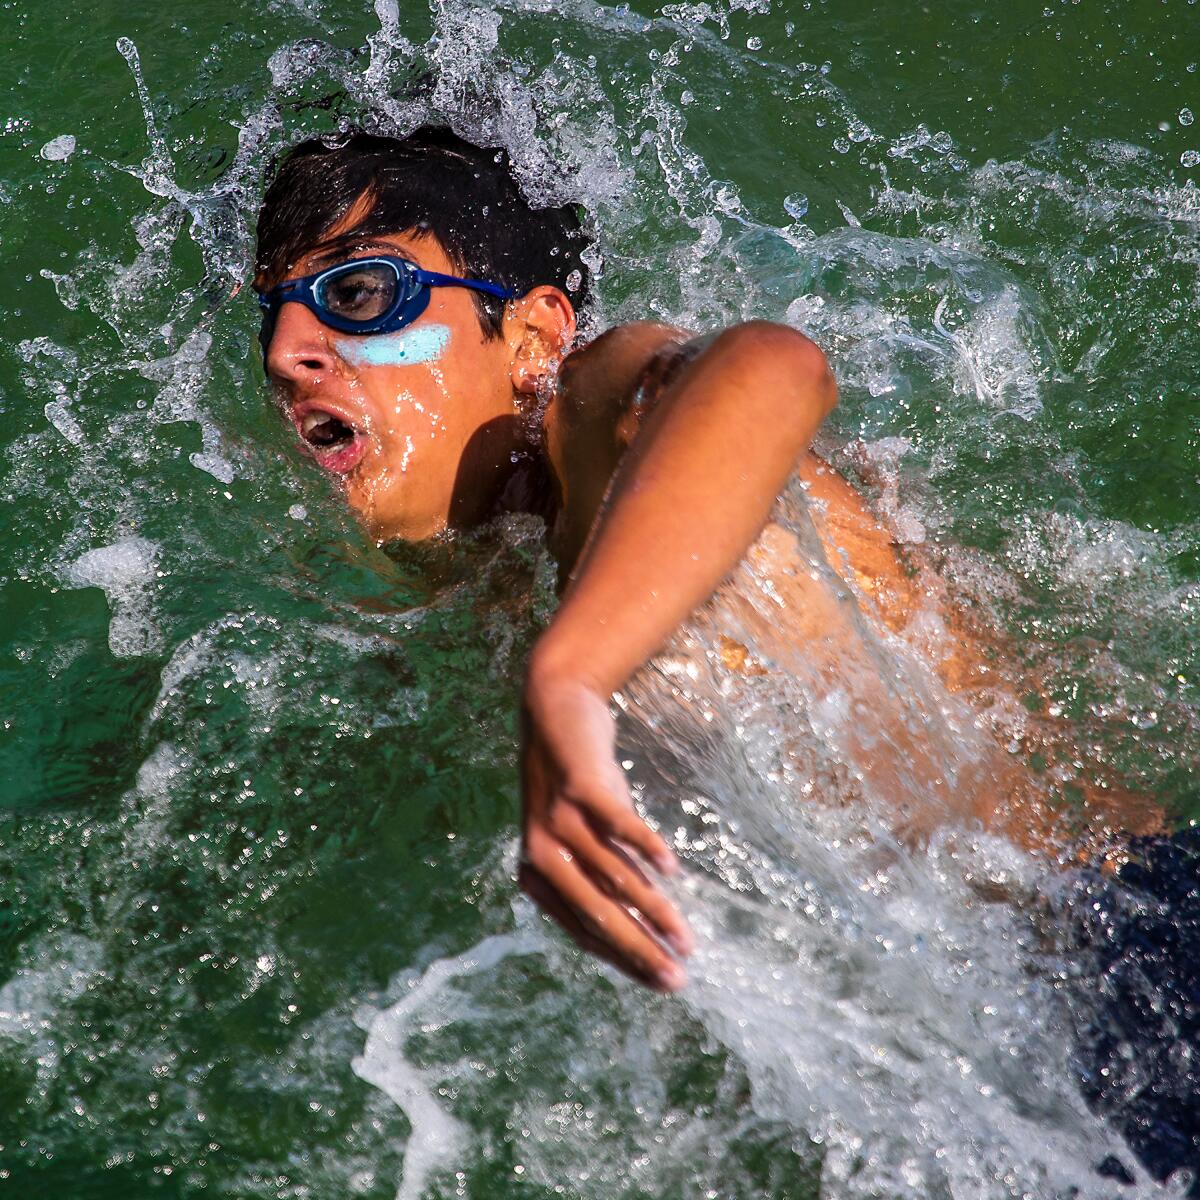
column 438, row 1140
column 125, row 571
column 58, row 149
column 58, row 413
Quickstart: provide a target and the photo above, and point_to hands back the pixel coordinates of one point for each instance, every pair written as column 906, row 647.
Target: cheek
column 416, row 435
column 422, row 411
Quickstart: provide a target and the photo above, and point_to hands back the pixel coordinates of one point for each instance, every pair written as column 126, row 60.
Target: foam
column 125, row 571
column 874, row 999
column 437, row 1141
column 30, row 998
column 58, row 149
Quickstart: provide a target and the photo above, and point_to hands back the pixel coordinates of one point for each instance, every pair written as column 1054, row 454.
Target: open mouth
column 331, row 439
column 324, row 430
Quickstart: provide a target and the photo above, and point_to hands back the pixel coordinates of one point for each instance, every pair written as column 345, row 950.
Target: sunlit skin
column 658, row 503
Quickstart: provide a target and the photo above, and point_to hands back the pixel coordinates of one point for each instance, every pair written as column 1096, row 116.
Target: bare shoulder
column 599, row 378
column 589, row 422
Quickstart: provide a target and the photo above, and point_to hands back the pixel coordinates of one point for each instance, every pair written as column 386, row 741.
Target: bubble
column 1186, row 116
column 1189, row 158
column 754, row 43
column 858, row 131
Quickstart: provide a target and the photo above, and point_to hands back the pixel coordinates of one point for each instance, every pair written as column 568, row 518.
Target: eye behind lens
column 359, row 293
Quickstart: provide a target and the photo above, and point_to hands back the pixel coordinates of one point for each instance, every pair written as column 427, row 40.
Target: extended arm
column 687, row 500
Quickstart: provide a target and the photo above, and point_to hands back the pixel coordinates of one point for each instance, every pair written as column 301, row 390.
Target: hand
column 583, row 838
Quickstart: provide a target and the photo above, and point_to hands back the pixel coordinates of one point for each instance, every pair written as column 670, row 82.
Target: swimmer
column 419, row 321
column 419, row 333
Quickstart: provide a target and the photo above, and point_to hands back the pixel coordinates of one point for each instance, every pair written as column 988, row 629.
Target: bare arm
column 691, row 494
column 687, row 500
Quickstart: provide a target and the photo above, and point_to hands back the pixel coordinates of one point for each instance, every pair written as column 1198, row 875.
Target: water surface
column 258, row 935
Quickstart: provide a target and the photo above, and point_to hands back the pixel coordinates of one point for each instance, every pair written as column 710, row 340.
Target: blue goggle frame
column 410, row 301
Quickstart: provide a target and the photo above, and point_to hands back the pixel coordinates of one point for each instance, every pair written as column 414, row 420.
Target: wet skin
column 398, row 417
column 401, row 433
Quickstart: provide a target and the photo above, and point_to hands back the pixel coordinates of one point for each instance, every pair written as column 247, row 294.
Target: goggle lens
column 357, row 293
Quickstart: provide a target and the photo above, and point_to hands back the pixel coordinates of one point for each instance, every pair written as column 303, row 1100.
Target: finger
column 549, row 902
column 621, row 878
column 581, row 931
column 607, row 920
column 602, row 791
column 616, row 817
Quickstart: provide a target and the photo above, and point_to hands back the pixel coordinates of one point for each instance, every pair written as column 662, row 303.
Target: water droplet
column 754, row 43
column 1185, row 116
column 58, row 148
column 796, row 206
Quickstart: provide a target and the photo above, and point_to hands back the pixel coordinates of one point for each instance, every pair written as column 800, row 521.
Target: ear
column 539, row 328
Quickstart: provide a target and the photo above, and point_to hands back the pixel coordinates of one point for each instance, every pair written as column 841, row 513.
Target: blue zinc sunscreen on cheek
column 406, row 348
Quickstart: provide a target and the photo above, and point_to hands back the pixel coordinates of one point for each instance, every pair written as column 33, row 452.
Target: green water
column 255, row 769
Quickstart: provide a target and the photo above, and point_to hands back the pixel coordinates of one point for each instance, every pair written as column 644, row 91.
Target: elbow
column 788, row 363
column 820, row 374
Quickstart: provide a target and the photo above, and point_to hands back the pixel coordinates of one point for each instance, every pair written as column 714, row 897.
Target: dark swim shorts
column 1140, row 1049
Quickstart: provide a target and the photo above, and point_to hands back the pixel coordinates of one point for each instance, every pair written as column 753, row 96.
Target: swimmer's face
column 420, row 425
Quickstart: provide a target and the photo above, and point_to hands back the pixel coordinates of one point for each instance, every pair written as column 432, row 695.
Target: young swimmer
column 419, row 334
column 417, row 313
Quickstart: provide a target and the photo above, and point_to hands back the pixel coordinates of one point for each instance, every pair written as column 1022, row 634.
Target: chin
column 392, row 499
column 392, row 522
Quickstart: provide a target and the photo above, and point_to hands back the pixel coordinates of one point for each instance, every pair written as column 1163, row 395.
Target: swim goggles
column 365, row 295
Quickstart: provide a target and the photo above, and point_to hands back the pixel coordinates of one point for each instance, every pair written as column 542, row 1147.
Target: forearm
column 691, row 495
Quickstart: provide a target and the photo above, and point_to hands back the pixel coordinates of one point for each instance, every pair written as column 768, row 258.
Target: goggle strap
column 433, row 279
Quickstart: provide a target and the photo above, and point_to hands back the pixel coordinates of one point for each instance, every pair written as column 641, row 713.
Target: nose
column 299, row 352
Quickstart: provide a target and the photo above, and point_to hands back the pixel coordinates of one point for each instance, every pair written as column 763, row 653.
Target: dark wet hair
column 436, row 183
